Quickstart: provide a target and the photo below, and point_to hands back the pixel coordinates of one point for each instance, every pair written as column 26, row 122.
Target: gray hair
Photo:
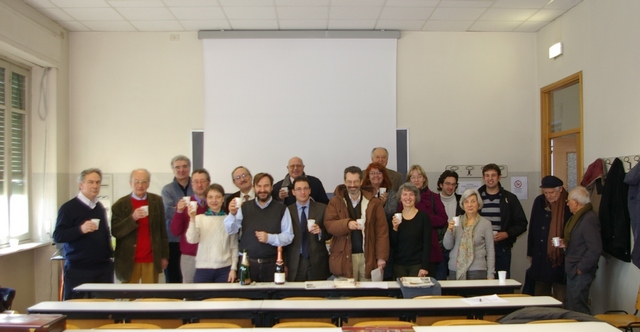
column 237, row 168
column 88, row 171
column 408, row 186
column 379, row 147
column 471, row 192
column 140, row 169
column 580, row 194
column 353, row 170
column 181, row 158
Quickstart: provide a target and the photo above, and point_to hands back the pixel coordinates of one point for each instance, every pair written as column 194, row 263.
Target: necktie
column 303, row 230
column 246, row 198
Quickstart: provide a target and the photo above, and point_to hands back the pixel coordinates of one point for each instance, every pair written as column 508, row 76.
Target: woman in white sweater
column 217, row 257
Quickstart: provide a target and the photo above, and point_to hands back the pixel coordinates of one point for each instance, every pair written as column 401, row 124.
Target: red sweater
column 144, row 253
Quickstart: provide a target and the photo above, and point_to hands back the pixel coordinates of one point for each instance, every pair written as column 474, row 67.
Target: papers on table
column 414, row 282
column 488, row 299
column 343, row 283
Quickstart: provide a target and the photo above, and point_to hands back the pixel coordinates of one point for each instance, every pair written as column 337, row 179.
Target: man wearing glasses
column 138, row 224
column 282, row 188
column 242, row 178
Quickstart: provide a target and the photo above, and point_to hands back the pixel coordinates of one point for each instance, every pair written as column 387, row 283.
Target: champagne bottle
column 245, row 271
column 278, row 276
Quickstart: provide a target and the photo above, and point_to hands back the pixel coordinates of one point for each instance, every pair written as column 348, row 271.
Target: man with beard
column 265, row 226
column 358, row 224
column 241, row 177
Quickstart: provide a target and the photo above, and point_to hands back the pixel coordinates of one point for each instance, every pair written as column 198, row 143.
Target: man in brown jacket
column 357, row 222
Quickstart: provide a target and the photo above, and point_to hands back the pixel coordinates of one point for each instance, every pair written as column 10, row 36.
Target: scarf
column 466, row 249
column 211, row 213
column 556, row 228
column 573, row 221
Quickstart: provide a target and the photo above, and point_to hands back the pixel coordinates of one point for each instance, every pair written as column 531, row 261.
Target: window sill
column 22, row 247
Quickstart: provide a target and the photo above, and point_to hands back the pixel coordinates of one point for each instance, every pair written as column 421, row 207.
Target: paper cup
column 238, row 202
column 285, row 189
column 186, row 199
column 361, row 223
column 193, row 205
column 502, row 276
column 556, row 241
column 381, row 191
column 146, row 209
column 456, row 221
column 398, row 216
column 96, row 221
column 495, row 232
column 310, row 224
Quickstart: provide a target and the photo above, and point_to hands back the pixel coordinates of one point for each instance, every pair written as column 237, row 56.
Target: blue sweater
column 84, row 251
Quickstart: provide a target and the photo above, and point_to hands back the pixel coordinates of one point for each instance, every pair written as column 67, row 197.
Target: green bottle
column 245, row 270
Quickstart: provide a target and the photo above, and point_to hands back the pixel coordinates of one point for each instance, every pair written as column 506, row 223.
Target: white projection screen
column 328, row 101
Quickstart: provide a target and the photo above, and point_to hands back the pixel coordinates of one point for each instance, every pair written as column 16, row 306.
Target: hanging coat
column 633, row 180
column 615, row 223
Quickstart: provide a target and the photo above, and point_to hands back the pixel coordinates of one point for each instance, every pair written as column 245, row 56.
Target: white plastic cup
column 495, row 232
column 556, row 241
column 502, row 276
column 238, row 202
column 310, row 224
column 145, row 208
column 285, row 189
column 14, row 242
column 398, row 216
column 186, row 199
column 96, row 221
column 193, row 206
column 361, row 223
column 456, row 221
column 381, row 191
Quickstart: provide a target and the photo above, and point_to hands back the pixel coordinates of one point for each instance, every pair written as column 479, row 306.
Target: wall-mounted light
column 555, row 50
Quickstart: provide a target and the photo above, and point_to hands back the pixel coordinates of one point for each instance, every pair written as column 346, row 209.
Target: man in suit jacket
column 306, row 257
column 241, row 177
column 295, row 168
column 138, row 224
column 583, row 249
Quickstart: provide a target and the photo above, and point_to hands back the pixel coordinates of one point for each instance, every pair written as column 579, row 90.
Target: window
column 14, row 203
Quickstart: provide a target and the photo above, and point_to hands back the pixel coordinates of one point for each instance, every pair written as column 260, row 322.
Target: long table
column 564, row 327
column 267, row 312
column 264, row 290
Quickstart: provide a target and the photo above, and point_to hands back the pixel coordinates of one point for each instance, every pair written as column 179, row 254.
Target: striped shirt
column 491, row 209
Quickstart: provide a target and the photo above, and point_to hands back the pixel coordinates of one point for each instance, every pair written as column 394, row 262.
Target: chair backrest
column 438, row 297
column 545, row 321
column 454, row 322
column 302, row 324
column 384, row 323
column 210, row 325
column 372, row 298
column 71, row 327
column 638, row 301
column 90, row 300
column 514, row 295
column 226, row 299
column 158, row 299
column 129, row 326
column 301, row 298
column 6, row 298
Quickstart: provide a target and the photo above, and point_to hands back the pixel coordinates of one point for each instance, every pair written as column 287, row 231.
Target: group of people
column 375, row 221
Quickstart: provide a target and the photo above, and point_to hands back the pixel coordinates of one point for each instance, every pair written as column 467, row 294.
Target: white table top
column 138, row 306
column 478, row 283
column 564, row 327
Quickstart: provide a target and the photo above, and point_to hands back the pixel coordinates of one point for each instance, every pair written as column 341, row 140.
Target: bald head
column 295, row 167
column 578, row 198
column 380, row 155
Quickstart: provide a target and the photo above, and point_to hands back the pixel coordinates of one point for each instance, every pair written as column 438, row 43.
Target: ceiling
column 405, row 15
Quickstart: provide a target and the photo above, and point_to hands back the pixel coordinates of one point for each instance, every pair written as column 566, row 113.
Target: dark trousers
column 172, row 273
column 503, row 258
column 74, row 277
column 303, row 273
column 442, row 269
column 262, row 271
column 577, row 294
column 212, row 275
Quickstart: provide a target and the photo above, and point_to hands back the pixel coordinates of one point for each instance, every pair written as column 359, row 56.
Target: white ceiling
column 407, row 15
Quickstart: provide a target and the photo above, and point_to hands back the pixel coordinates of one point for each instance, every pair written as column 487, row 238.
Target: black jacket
column 614, row 214
column 512, row 217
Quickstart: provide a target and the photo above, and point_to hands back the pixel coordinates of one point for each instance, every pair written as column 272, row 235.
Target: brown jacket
column 376, row 232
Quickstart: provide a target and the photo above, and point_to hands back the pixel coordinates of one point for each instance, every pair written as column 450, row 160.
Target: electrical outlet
column 174, row 37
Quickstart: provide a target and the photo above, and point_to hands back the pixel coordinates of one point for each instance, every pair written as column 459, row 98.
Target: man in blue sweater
column 82, row 227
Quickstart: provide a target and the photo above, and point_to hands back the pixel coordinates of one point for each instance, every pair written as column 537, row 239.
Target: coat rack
column 627, row 161
column 473, row 171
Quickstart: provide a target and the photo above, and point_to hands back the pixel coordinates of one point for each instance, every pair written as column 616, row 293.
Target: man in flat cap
column 548, row 217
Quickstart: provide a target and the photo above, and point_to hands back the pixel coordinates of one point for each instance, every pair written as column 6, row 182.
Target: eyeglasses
column 143, row 182
column 302, row 189
column 241, row 176
column 375, row 173
column 295, row 166
column 200, row 181
column 416, row 177
column 450, row 183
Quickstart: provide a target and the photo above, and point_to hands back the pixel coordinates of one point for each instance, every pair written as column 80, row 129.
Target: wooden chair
column 303, row 325
column 129, row 326
column 302, row 298
column 456, row 322
column 211, row 325
column 514, row 295
column 226, row 299
column 372, row 298
column 90, row 300
column 384, row 323
column 546, row 321
column 622, row 319
column 71, row 327
column 158, row 299
column 437, row 297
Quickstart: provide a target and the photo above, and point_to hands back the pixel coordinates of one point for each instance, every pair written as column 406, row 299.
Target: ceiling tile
column 74, row 26
column 250, row 13
column 546, row 15
column 412, row 25
column 303, row 24
column 254, row 24
column 94, row 14
column 201, row 13
column 352, row 24
column 466, row 4
column 447, row 25
column 501, row 14
column 354, row 13
column 411, row 3
column 562, row 4
column 195, row 25
column 157, row 25
column 246, row 3
column 40, row 3
column 191, row 3
column 146, row 14
column 303, row 13
column 109, row 25
column 80, row 3
column 457, row 14
column 56, row 14
column 530, row 26
column 302, row 3
column 362, row 3
column 406, row 13
column 135, row 3
column 529, row 4
column 502, row 26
